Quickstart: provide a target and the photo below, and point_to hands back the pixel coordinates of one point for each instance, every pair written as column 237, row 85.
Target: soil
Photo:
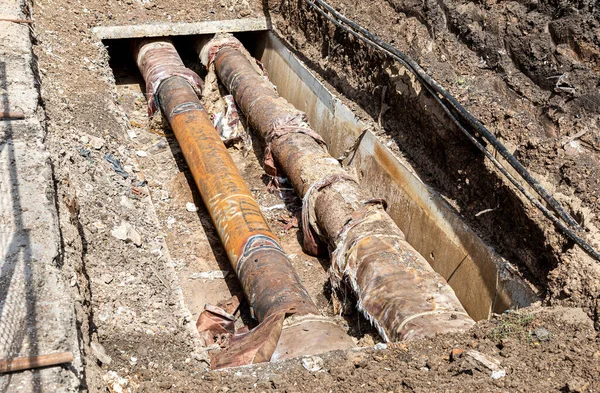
column 136, row 304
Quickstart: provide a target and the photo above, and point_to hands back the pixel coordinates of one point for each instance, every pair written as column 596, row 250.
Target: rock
column 380, row 346
column 170, row 221
column 126, row 202
column 96, row 142
column 117, row 384
column 127, row 232
column 312, row 363
column 577, row 385
column 476, row 360
column 163, row 195
column 191, row 207
column 455, row 354
column 100, row 353
column 366, row 341
column 542, row 334
column 358, row 358
column 211, row 275
column 159, row 146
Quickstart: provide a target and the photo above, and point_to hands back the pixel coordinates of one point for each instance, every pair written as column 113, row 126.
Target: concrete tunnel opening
column 483, row 281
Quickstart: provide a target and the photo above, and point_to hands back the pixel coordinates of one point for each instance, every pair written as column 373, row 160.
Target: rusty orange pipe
column 270, row 283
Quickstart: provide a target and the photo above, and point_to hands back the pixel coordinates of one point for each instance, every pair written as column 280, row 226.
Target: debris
column 116, row 164
column 36, row 361
column 85, row 153
column 126, row 202
column 573, row 147
column 191, row 207
column 157, row 252
column 96, row 142
column 141, row 153
column 455, row 354
column 127, row 232
column 117, row 384
column 484, row 211
column 380, row 346
column 573, row 138
column 289, row 223
column 159, row 277
column 163, row 195
column 476, row 360
column 274, row 207
column 170, row 221
column 137, row 191
column 228, row 124
column 99, row 225
column 158, row 146
column 216, row 323
column 542, row 334
column 100, row 353
column 313, row 364
column 210, row 275
column 132, row 134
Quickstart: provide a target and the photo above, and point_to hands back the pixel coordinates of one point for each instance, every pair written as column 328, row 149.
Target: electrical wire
column 433, row 88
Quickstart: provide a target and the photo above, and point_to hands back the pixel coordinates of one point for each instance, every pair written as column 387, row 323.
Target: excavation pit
column 483, row 281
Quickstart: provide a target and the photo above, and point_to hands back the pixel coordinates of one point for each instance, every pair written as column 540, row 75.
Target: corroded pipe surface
column 270, row 283
column 396, row 288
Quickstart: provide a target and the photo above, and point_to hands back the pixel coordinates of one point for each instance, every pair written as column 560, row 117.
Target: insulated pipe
column 397, row 289
column 270, row 283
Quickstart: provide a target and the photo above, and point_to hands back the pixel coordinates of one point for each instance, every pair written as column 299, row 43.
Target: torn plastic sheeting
column 295, row 122
column 116, row 164
column 251, row 347
column 310, row 230
column 227, row 123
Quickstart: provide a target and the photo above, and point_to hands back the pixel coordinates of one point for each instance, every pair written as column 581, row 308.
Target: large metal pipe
column 396, row 288
column 270, row 283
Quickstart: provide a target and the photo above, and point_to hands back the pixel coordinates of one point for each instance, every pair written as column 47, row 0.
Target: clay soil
column 529, row 70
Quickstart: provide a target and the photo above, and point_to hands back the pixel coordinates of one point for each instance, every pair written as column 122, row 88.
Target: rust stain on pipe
column 396, row 288
column 270, row 283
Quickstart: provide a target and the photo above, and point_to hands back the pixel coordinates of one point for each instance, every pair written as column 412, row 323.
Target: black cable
column 491, row 138
column 431, row 88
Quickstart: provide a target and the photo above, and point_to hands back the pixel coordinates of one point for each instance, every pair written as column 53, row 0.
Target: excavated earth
column 530, row 70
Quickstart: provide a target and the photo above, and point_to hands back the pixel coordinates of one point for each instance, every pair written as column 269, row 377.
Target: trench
column 483, row 281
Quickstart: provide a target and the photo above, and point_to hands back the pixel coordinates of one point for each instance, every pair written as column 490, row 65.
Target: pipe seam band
column 311, row 233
